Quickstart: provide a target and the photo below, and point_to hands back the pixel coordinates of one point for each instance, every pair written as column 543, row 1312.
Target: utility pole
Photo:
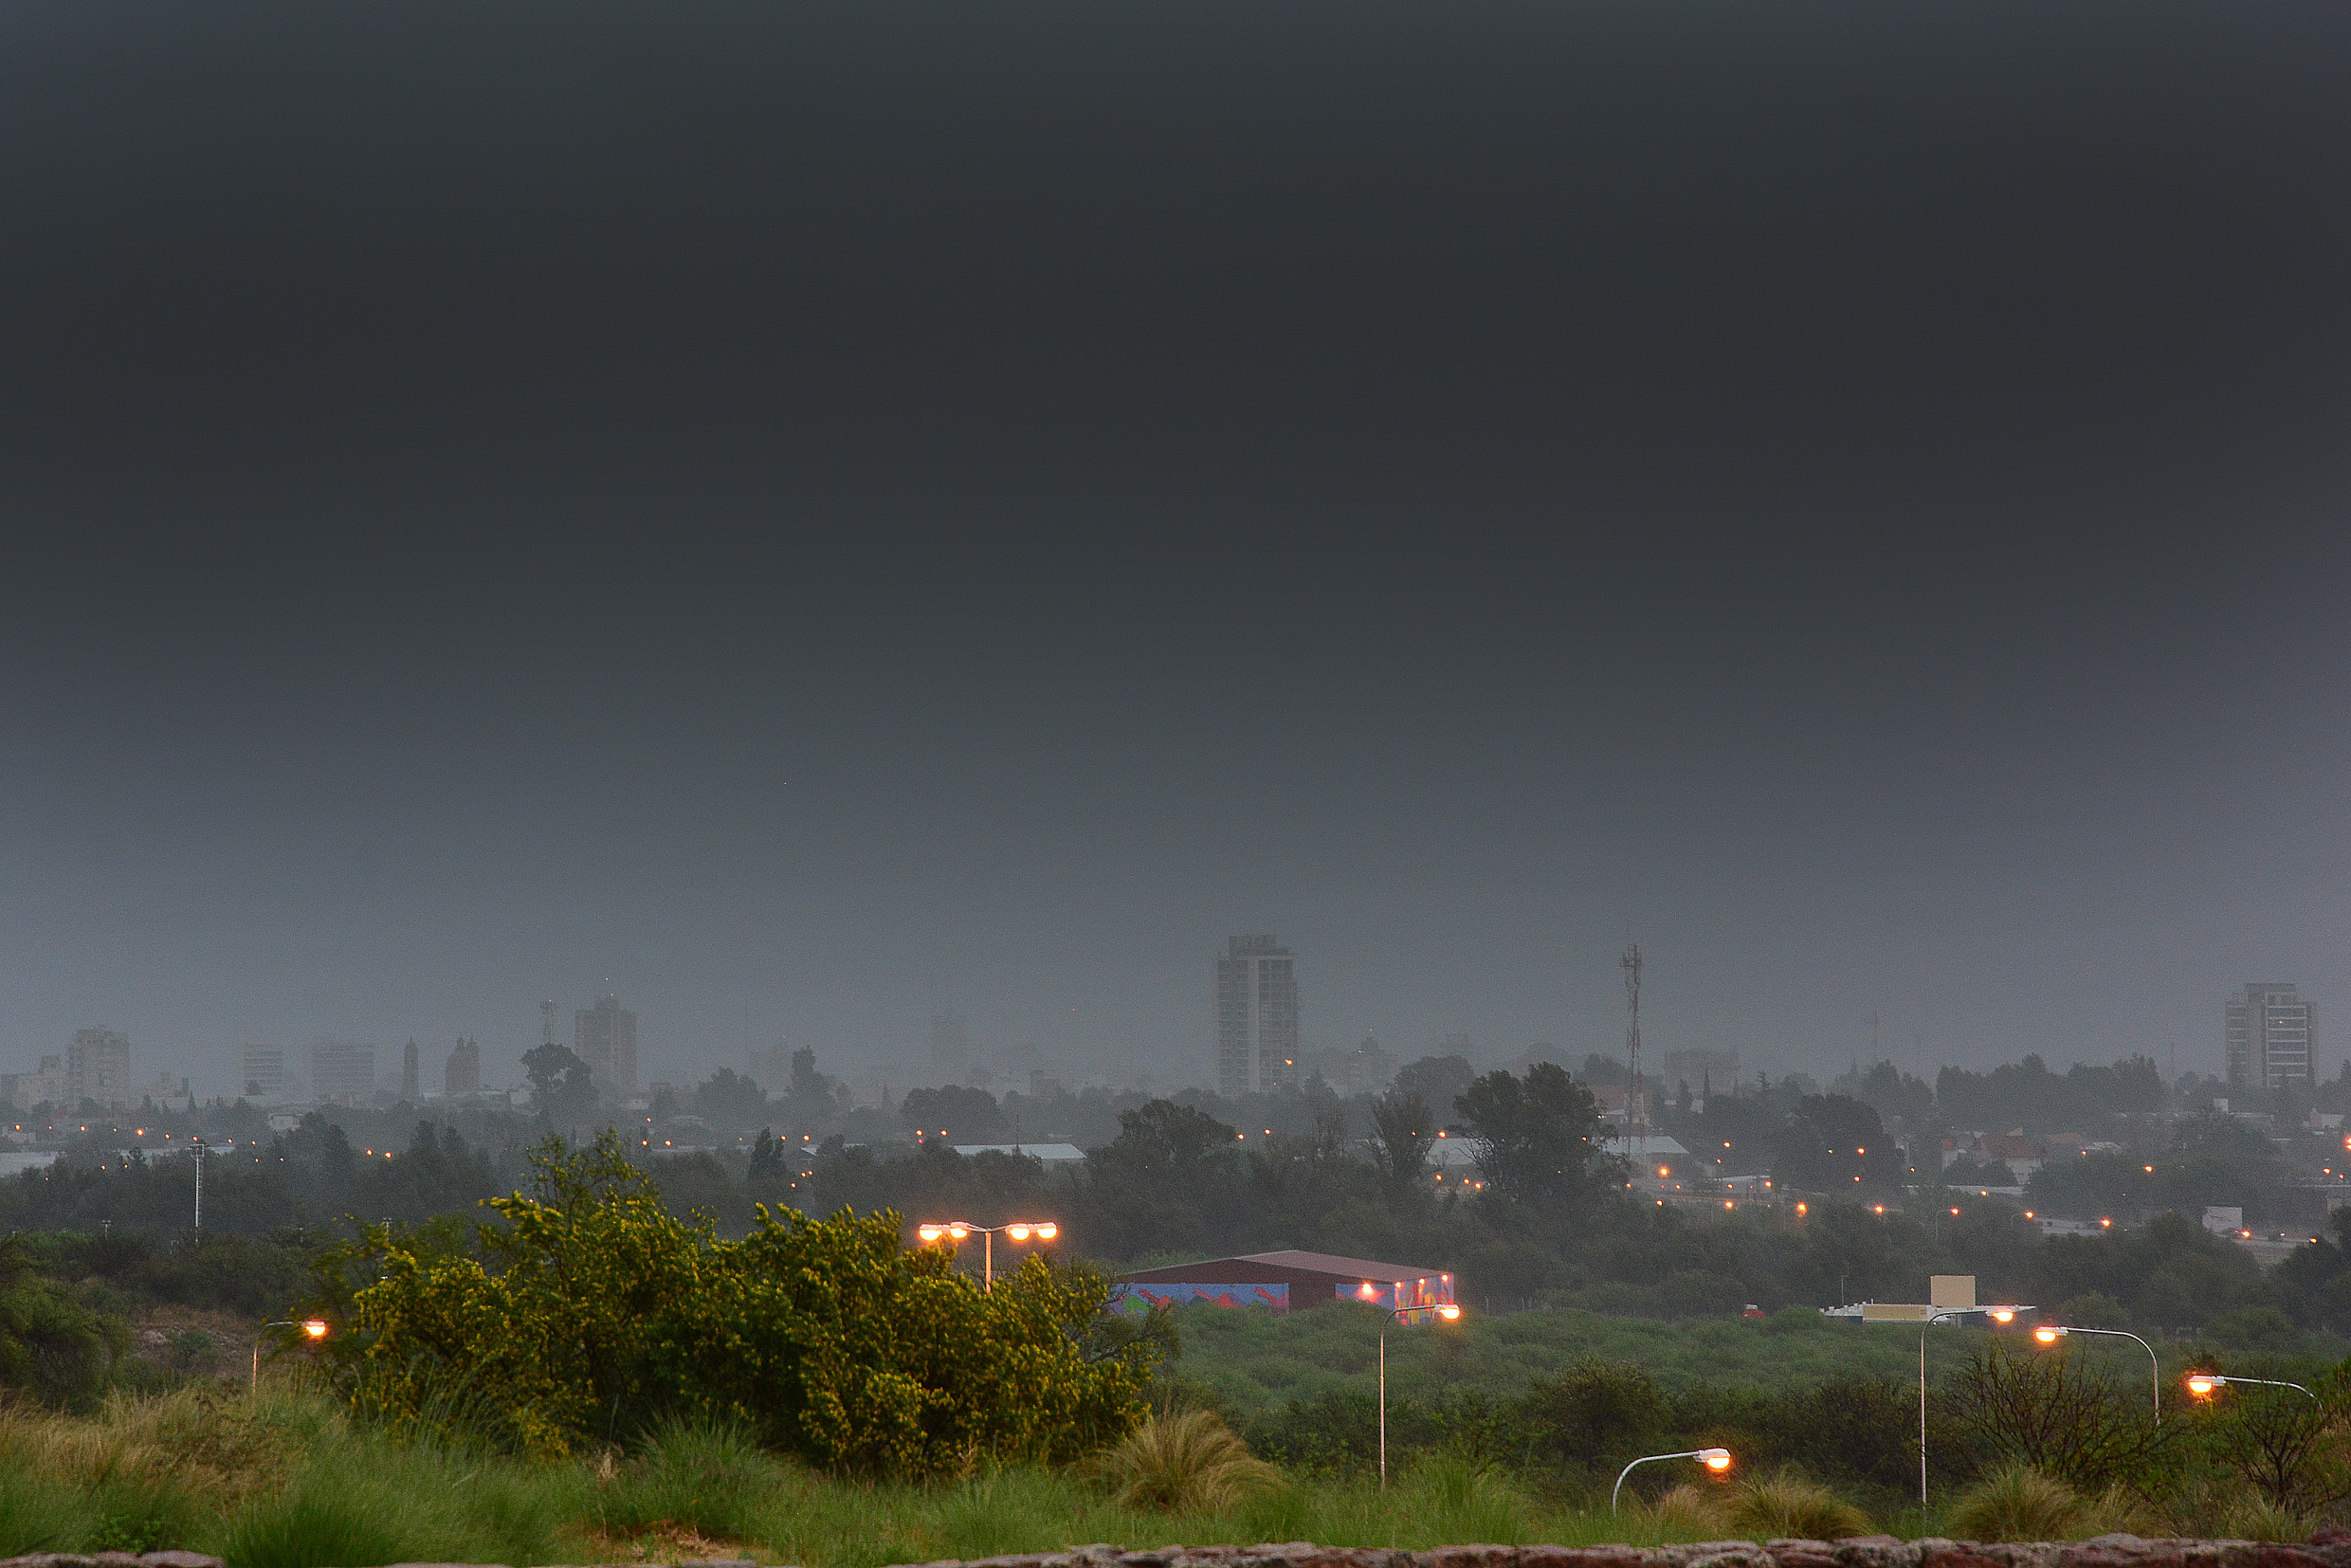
column 200, row 1148
column 1636, row 1102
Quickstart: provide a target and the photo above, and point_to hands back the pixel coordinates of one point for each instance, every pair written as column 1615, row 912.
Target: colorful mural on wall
column 1142, row 1298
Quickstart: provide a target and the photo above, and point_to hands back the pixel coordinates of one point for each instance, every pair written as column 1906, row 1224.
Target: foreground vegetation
column 293, row 1479
column 589, row 1376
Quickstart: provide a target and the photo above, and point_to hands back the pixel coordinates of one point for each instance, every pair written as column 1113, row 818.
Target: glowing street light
column 2048, row 1333
column 959, row 1230
column 1717, row 1460
column 2204, row 1384
column 314, row 1327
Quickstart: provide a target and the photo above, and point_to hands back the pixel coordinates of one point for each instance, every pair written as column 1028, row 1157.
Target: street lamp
column 1717, row 1460
column 1044, row 1230
column 1447, row 1310
column 315, row 1328
column 2201, row 1384
column 2048, row 1333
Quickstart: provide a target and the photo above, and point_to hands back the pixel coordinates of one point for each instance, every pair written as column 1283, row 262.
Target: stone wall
column 2332, row 1549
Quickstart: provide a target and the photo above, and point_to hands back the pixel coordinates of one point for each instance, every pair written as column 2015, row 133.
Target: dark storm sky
column 823, row 513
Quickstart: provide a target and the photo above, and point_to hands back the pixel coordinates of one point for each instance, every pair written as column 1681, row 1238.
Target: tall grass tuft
column 709, row 1478
column 2254, row 1516
column 1688, row 1510
column 317, row 1525
column 2017, row 1504
column 1461, row 1502
column 1189, row 1462
column 1789, row 1505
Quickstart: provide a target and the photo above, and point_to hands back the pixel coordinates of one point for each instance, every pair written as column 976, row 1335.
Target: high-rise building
column 97, row 1068
column 29, row 1090
column 407, row 1073
column 605, row 1038
column 1256, row 990
column 462, row 1073
column 342, row 1073
column 263, row 1075
column 2266, row 1033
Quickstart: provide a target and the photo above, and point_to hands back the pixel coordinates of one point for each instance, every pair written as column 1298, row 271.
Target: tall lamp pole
column 2048, row 1333
column 1447, row 1310
column 1044, row 1230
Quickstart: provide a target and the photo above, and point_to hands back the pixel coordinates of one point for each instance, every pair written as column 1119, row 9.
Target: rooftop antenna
column 1636, row 1103
column 547, row 1021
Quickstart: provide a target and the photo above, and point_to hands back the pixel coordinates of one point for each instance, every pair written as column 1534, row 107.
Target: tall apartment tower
column 2266, row 1032
column 407, row 1073
column 98, row 1067
column 342, row 1073
column 462, row 1073
column 605, row 1038
column 265, row 1073
column 1256, row 1017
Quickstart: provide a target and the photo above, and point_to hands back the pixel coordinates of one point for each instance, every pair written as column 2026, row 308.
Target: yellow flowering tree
column 593, row 1312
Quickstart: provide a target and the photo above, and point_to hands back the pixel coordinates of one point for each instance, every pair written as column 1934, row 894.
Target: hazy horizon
column 810, row 519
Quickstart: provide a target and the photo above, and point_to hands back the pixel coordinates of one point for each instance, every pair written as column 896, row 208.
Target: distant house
column 1278, row 1281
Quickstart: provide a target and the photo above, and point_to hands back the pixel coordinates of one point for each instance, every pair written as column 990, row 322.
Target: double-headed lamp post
column 2203, row 1384
column 2048, row 1333
column 1717, row 1460
column 1447, row 1310
column 315, row 1328
column 1042, row 1229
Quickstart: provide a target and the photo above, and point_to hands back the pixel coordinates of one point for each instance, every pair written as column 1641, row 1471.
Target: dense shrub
column 599, row 1314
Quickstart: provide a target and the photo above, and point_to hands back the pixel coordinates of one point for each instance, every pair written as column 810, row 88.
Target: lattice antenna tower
column 1636, row 1101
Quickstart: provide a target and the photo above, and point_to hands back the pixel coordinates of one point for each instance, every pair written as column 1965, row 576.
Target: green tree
column 561, row 1085
column 1403, row 1131
column 1539, row 1140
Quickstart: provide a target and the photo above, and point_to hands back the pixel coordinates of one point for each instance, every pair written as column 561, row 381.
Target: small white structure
column 1052, row 1154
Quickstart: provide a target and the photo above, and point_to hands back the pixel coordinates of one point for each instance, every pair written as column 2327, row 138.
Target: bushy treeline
column 311, row 1177
column 1552, row 1227
column 2006, row 1405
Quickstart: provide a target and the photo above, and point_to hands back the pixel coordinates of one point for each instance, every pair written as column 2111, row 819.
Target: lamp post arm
column 1645, row 1459
column 2271, row 1382
column 255, row 1390
column 2155, row 1368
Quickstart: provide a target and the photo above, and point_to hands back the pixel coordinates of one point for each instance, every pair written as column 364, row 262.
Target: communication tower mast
column 1636, row 1100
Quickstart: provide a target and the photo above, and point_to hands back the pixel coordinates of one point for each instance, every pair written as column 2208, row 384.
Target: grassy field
column 288, row 1481
column 1252, row 1360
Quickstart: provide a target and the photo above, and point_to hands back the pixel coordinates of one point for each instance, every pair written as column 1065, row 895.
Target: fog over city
column 815, row 522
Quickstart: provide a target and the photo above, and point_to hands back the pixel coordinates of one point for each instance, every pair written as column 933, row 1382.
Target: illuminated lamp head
column 2202, row 1384
column 2003, row 1314
column 1449, row 1311
column 1048, row 1231
column 2048, row 1333
column 1717, row 1460
column 1018, row 1233
column 315, row 1328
